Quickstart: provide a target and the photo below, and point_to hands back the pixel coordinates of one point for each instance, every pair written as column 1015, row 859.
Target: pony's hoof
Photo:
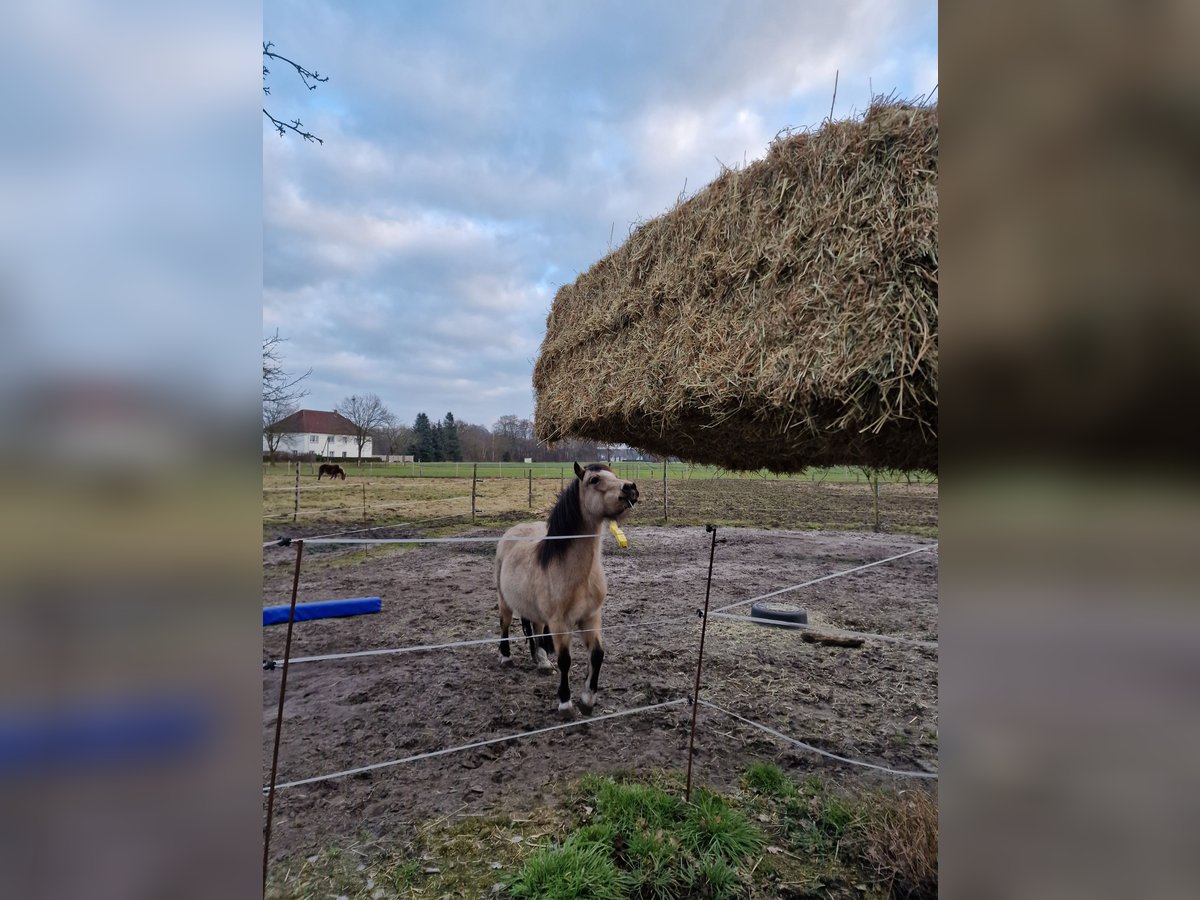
column 506, row 660
column 545, row 670
column 586, row 704
column 566, row 711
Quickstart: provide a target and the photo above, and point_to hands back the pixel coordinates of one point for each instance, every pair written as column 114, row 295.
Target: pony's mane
column 565, row 518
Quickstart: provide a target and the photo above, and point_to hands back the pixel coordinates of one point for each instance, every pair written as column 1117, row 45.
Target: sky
column 478, row 155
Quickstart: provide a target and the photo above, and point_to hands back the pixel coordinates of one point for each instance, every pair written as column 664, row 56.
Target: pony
column 333, row 470
column 558, row 586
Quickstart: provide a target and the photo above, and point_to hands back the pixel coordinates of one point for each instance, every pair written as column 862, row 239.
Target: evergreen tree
column 451, row 445
column 422, row 446
column 439, row 446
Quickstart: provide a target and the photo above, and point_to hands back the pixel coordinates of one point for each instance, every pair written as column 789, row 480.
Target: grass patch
column 574, row 871
column 713, row 828
column 768, row 778
column 660, row 846
column 620, row 836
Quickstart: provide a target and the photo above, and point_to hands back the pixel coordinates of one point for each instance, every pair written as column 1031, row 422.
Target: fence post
column 664, row 490
column 287, row 652
column 700, row 660
column 296, row 508
column 474, row 477
column 875, row 488
column 531, row 488
column 562, row 478
column 364, row 487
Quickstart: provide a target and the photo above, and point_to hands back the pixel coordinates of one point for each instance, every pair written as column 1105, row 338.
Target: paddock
column 875, row 705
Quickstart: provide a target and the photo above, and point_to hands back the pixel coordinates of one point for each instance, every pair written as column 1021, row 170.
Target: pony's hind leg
column 527, row 627
column 506, row 616
column 595, row 648
column 544, row 646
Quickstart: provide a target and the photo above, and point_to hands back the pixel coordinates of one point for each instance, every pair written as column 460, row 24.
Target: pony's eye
column 595, row 479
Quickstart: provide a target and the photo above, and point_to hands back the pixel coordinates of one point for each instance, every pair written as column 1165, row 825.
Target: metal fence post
column 700, row 660
column 287, row 652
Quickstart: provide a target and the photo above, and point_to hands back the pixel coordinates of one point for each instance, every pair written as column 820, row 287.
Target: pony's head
column 595, row 494
column 602, row 495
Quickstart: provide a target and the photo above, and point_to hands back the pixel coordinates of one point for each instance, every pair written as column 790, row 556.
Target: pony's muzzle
column 629, row 493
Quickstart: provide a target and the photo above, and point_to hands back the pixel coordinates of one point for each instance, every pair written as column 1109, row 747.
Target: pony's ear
column 578, row 472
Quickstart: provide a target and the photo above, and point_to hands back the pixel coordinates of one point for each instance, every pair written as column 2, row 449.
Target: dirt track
column 877, row 703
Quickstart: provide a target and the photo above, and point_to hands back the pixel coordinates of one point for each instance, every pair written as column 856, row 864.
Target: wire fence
column 367, row 500
column 693, row 699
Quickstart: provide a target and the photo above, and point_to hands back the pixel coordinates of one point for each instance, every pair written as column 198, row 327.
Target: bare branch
column 294, row 125
column 304, row 73
column 310, row 79
column 278, row 387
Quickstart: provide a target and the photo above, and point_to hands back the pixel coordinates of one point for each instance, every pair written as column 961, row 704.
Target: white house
column 326, row 434
column 620, row 453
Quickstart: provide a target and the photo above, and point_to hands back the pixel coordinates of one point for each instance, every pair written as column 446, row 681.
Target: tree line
column 510, row 439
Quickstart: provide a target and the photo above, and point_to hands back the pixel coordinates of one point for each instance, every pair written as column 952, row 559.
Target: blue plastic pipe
column 324, row 609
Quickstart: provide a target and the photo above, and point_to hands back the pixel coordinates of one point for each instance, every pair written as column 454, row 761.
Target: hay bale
column 783, row 317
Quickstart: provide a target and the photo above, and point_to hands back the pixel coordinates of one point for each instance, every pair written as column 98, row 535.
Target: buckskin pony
column 558, row 586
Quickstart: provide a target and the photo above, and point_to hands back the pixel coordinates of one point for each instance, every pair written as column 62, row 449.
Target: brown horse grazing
column 333, row 470
column 558, row 586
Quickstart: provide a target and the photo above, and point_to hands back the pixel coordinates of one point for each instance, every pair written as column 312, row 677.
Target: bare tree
column 476, row 442
column 310, row 79
column 514, row 436
column 392, row 439
column 367, row 414
column 278, row 387
column 274, row 412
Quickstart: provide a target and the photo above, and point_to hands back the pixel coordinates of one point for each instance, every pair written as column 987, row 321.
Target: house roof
column 313, row 421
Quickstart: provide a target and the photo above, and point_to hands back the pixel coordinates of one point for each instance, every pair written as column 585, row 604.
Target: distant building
column 611, row 453
column 324, row 434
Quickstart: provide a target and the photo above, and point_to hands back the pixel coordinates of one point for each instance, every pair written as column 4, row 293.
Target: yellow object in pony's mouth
column 622, row 541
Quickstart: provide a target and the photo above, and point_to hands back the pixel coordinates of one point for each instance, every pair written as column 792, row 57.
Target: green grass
column 618, row 837
column 768, row 778
column 713, row 828
column 574, row 871
column 660, row 846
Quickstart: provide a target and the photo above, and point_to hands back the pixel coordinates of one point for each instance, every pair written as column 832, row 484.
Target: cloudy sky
column 478, row 155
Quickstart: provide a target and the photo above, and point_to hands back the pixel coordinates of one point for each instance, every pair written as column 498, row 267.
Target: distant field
column 632, row 470
column 432, row 495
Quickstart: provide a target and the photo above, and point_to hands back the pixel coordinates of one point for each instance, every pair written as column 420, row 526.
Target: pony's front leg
column 562, row 648
column 595, row 648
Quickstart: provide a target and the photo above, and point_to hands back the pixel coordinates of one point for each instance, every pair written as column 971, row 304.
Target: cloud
column 478, row 155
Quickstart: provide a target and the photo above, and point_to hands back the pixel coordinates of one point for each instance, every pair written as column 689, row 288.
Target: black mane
column 565, row 518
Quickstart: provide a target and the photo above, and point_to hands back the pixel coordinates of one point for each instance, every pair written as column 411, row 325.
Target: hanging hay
column 783, row 317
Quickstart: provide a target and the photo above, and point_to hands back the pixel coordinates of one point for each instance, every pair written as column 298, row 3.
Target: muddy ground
column 877, row 703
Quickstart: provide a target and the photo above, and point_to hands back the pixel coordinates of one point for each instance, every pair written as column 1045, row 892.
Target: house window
column 313, row 439
column 344, row 439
